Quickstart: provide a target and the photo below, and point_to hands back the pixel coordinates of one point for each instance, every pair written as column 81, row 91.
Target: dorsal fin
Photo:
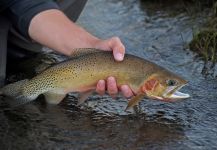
column 83, row 51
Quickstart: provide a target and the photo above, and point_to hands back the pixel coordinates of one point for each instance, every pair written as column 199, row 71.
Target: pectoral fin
column 134, row 101
column 54, row 98
column 83, row 96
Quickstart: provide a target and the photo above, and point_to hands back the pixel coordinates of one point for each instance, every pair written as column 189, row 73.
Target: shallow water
column 149, row 30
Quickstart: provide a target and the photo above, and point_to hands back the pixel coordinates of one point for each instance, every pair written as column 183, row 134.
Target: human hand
column 113, row 44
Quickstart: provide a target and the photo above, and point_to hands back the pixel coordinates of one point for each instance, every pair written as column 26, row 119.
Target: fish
column 81, row 73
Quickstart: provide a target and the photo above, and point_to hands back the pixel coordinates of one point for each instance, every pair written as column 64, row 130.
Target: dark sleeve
column 21, row 12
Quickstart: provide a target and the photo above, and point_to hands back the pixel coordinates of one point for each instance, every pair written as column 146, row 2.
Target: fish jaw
column 173, row 94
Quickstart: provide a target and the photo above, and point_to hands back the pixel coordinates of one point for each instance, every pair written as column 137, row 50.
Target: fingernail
column 111, row 79
column 119, row 57
column 101, row 81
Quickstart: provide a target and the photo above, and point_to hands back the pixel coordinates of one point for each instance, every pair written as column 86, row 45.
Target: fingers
column 100, row 87
column 112, row 87
column 126, row 91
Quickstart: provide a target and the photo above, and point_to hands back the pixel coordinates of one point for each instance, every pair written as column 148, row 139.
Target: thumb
column 115, row 45
column 118, row 54
column 118, row 48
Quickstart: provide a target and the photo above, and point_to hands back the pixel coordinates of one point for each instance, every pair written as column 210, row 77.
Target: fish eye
column 171, row 82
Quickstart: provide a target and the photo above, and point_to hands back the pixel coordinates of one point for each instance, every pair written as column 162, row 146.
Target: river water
column 156, row 31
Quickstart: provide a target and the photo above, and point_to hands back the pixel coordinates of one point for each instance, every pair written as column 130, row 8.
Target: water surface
column 155, row 31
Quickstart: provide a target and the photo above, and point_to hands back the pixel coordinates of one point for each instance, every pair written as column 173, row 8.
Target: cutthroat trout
column 82, row 72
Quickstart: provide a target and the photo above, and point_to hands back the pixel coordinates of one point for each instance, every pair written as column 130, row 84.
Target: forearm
column 54, row 30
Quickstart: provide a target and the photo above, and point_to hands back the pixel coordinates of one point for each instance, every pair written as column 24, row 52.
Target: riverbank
column 204, row 41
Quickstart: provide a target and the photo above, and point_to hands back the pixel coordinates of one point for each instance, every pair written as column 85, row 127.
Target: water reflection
column 48, row 126
column 162, row 135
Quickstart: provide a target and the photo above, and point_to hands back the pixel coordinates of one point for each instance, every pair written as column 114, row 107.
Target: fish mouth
column 173, row 94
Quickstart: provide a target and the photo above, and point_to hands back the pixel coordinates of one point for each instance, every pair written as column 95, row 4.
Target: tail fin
column 14, row 93
column 13, row 89
column 18, row 101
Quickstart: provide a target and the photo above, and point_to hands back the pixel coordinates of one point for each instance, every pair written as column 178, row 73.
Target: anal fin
column 83, row 96
column 54, row 98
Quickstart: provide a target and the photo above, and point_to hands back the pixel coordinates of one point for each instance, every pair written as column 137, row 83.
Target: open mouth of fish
column 173, row 94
